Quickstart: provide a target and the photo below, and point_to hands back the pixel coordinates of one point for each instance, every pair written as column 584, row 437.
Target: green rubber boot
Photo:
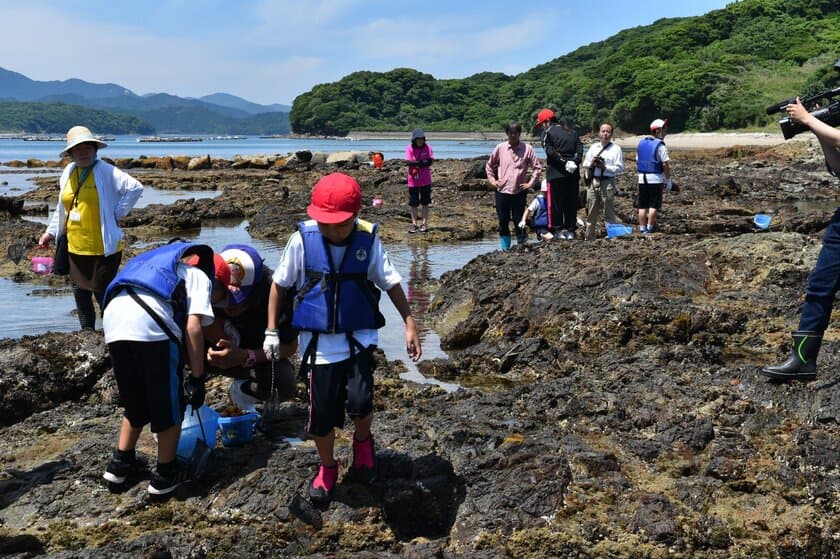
column 504, row 242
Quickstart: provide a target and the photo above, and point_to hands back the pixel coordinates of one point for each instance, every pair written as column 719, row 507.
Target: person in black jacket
column 564, row 154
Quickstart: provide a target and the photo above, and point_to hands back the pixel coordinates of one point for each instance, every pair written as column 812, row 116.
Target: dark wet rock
column 38, row 373
column 11, row 205
column 655, row 519
column 611, row 404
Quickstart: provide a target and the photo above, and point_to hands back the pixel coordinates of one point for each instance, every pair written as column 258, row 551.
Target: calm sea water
column 128, row 146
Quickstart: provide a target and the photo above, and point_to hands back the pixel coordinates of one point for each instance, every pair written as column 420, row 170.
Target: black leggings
column 84, row 306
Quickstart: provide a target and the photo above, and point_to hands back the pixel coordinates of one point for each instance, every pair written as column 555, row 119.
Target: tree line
column 710, row 72
column 57, row 118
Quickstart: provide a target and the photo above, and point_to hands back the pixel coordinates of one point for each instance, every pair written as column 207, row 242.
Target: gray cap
column 417, row 133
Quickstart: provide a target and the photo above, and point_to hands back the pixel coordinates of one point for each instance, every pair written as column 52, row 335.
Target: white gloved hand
column 522, row 224
column 571, row 167
column 668, row 186
column 271, row 344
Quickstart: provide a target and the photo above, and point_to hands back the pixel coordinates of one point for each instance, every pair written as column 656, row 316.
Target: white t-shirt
column 291, row 272
column 656, row 178
column 613, row 159
column 125, row 320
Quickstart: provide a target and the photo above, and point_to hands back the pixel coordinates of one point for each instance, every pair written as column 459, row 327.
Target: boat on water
column 143, row 139
column 229, row 138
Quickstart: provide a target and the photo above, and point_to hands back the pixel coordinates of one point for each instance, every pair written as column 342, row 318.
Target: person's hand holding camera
column 599, row 162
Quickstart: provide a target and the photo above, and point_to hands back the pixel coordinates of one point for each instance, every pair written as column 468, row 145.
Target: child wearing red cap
column 337, row 265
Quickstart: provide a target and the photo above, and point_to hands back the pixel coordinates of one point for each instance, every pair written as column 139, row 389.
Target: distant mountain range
column 219, row 113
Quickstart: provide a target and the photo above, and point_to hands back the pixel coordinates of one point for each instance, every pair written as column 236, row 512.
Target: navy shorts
column 650, row 196
column 335, row 387
column 420, row 196
column 149, row 378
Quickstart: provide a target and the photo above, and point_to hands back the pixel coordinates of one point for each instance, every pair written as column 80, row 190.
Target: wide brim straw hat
column 80, row 135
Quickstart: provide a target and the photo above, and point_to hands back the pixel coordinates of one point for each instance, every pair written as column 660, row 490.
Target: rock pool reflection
column 419, row 265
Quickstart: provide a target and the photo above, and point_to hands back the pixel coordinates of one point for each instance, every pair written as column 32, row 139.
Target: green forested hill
column 709, row 72
column 52, row 118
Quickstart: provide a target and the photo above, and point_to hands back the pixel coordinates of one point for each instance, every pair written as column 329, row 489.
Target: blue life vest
column 154, row 271
column 337, row 300
column 646, row 160
column 541, row 217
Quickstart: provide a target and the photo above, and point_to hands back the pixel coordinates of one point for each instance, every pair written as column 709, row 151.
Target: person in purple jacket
column 419, row 157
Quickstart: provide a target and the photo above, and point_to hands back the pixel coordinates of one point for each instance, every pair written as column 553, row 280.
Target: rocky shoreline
column 611, row 404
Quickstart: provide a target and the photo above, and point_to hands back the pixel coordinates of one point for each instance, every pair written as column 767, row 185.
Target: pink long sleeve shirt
column 507, row 167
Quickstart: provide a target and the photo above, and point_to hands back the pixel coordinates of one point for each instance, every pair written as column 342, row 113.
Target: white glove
column 668, row 186
column 271, row 344
column 571, row 167
column 522, row 224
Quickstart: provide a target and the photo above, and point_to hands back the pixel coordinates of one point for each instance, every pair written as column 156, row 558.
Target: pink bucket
column 42, row 264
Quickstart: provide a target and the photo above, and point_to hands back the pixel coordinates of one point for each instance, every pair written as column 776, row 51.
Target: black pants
column 511, row 207
column 563, row 203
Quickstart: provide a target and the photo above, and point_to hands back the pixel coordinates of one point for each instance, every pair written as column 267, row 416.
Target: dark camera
column 830, row 113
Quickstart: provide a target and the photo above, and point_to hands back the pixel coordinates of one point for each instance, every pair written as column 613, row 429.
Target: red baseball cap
column 336, row 198
column 543, row 115
column 220, row 267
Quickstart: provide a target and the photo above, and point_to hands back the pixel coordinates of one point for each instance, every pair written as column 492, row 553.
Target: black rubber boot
column 84, row 306
column 802, row 364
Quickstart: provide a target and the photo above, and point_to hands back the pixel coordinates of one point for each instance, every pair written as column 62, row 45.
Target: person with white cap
column 93, row 196
column 654, row 168
column 236, row 338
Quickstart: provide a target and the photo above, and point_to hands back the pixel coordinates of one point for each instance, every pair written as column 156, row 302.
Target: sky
column 270, row 51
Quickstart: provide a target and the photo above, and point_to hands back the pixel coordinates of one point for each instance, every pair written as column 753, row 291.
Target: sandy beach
column 679, row 141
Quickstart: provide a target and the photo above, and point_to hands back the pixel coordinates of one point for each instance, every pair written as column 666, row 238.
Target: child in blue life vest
column 337, row 265
column 538, row 211
column 155, row 311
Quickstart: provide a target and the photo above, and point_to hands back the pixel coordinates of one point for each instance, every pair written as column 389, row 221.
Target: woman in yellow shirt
column 93, row 195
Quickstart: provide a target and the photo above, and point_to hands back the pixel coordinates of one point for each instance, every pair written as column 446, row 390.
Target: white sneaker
column 570, row 235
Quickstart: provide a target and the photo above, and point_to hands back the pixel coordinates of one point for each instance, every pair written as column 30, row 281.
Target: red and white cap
column 658, row 123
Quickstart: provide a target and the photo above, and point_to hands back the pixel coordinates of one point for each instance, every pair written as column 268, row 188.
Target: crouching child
column 337, row 265
column 155, row 309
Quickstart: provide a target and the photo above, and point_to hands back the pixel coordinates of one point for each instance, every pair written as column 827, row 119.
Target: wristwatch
column 250, row 357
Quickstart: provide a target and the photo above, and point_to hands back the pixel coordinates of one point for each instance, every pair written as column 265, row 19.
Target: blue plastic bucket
column 238, row 430
column 617, row 230
column 191, row 430
column 762, row 221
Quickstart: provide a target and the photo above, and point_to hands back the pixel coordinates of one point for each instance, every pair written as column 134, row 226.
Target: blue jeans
column 511, row 207
column 823, row 281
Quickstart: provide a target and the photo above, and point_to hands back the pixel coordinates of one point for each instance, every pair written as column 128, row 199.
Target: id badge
column 75, row 216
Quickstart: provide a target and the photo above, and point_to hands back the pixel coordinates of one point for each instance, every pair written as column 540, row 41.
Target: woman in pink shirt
column 507, row 170
column 419, row 157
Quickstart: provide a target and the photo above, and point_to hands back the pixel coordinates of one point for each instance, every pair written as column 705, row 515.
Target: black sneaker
column 163, row 485
column 117, row 471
